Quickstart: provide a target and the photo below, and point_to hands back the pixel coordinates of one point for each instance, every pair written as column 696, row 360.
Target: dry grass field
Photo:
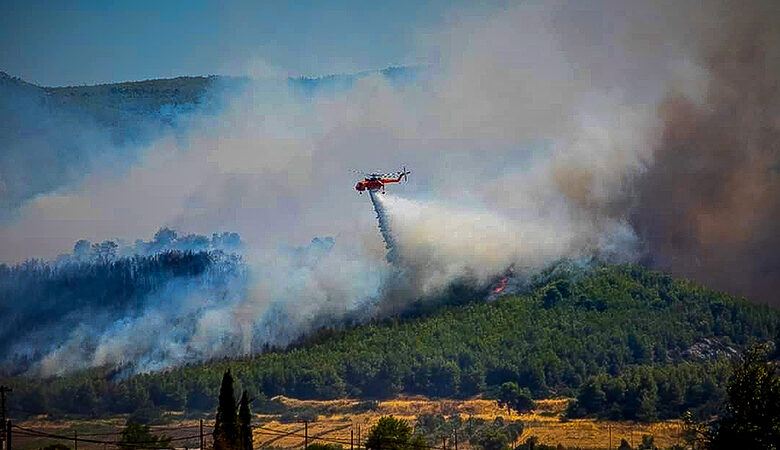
column 545, row 423
column 336, row 425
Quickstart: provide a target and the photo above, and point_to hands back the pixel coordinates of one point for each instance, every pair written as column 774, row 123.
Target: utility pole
column 201, row 434
column 3, row 416
column 352, row 439
column 76, row 440
column 456, row 439
column 3, row 390
column 8, row 434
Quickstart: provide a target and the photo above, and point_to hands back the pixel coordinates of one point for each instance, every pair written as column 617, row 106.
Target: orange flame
column 500, row 287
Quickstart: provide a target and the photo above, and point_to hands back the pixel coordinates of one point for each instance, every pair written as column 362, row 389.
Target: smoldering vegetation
column 68, row 314
column 639, row 131
column 570, row 335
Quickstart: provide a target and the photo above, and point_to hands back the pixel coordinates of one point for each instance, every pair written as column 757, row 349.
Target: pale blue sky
column 84, row 42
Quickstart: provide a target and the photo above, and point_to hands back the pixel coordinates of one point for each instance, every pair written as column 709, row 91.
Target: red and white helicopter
column 376, row 181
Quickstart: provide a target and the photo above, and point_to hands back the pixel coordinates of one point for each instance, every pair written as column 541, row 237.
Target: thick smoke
column 440, row 242
column 184, row 322
column 201, row 306
column 709, row 206
column 544, row 132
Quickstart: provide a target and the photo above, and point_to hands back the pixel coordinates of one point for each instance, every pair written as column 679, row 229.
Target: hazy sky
column 84, row 42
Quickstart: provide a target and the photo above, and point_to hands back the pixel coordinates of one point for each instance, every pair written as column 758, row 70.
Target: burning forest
column 540, row 138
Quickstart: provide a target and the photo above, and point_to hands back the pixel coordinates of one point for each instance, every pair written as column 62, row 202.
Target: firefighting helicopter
column 376, row 181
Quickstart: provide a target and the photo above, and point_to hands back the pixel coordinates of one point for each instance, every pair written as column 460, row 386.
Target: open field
column 544, row 422
column 337, row 423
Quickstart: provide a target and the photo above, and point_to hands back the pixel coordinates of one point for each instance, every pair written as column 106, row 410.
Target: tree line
column 750, row 418
column 42, row 300
column 626, row 342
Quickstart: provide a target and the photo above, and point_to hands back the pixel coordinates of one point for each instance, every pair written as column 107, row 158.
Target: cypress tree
column 245, row 423
column 226, row 436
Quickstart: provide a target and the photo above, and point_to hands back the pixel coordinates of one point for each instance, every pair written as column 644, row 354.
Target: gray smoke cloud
column 709, row 206
column 534, row 135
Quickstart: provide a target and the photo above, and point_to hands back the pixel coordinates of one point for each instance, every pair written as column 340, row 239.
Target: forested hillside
column 52, row 136
column 628, row 342
column 48, row 306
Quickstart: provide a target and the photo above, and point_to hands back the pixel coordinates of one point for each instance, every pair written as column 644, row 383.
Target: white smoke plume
column 524, row 134
column 383, row 221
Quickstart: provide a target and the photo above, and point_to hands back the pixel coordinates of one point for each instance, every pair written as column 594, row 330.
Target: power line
column 172, row 428
column 293, row 433
column 338, row 428
column 151, row 428
column 323, row 433
column 282, row 434
column 272, row 440
column 135, row 444
column 108, row 433
column 259, row 429
column 340, row 441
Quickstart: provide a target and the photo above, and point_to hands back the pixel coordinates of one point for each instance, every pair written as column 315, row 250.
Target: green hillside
column 163, row 99
column 629, row 342
column 109, row 104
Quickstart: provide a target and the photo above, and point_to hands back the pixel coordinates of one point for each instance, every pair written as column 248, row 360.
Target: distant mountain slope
column 166, row 97
column 67, row 131
column 51, row 137
column 115, row 105
column 163, row 100
column 309, row 86
column 658, row 346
